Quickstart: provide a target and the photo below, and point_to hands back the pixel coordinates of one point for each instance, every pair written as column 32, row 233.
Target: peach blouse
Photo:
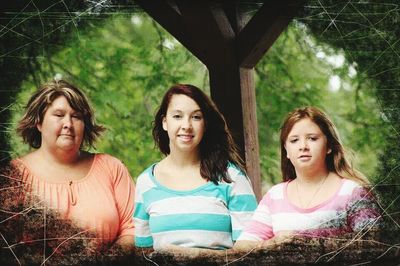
column 102, row 202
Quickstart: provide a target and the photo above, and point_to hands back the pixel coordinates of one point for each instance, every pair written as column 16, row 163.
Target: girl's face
column 306, row 146
column 184, row 123
column 62, row 127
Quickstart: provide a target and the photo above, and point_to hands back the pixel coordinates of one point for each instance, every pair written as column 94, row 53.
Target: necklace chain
column 315, row 193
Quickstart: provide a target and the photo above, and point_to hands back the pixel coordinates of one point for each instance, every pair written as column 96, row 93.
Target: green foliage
column 124, row 65
column 368, row 34
column 291, row 75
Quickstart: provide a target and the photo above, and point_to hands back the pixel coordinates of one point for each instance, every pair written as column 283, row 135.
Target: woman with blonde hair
column 321, row 194
column 94, row 191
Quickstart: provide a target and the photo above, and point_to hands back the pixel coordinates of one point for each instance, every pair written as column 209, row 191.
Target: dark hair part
column 217, row 147
column 40, row 102
column 335, row 161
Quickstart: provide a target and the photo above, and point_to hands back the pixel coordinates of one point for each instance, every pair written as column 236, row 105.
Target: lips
column 67, row 135
column 185, row 137
column 304, row 158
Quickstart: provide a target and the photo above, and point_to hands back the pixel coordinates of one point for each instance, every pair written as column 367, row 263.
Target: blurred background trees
column 340, row 57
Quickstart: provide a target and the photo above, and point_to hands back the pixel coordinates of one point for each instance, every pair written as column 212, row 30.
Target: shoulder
column 240, row 184
column 107, row 159
column 235, row 173
column 349, row 187
column 238, row 177
column 357, row 194
column 148, row 172
column 21, row 169
column 145, row 179
column 26, row 160
column 18, row 163
column 106, row 162
column 276, row 191
column 107, row 167
column 25, row 163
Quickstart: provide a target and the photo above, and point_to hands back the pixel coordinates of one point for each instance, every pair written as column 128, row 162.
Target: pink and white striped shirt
column 351, row 208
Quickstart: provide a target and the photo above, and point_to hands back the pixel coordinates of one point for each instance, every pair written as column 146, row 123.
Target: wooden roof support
column 218, row 34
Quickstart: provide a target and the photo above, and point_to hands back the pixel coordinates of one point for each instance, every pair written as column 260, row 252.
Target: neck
column 312, row 176
column 184, row 159
column 60, row 157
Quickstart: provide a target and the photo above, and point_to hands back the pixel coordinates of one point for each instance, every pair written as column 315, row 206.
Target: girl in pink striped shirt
column 321, row 194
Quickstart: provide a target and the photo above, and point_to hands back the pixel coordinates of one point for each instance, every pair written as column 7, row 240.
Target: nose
column 67, row 123
column 186, row 124
column 303, row 144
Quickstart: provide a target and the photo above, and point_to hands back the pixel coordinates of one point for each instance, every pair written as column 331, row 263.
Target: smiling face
column 306, row 146
column 62, row 128
column 184, row 123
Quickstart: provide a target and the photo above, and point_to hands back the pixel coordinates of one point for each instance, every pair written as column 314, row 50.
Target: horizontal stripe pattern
column 210, row 216
column 349, row 208
column 142, row 228
column 193, row 239
column 144, row 242
column 299, row 222
column 158, row 195
column 243, row 203
column 191, row 221
column 239, row 219
column 190, row 204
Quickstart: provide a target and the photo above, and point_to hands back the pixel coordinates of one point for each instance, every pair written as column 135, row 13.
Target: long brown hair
column 335, row 161
column 217, row 147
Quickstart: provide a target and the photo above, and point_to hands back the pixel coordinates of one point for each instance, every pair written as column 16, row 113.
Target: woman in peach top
column 94, row 191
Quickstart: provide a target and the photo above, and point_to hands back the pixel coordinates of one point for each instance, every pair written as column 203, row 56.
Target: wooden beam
column 218, row 34
column 208, row 27
column 171, row 20
column 254, row 41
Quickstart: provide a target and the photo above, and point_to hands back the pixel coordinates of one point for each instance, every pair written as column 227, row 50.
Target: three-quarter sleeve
column 143, row 236
column 125, row 197
column 362, row 210
column 241, row 203
column 260, row 226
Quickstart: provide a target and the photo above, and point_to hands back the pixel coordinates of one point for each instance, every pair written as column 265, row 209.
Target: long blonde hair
column 335, row 161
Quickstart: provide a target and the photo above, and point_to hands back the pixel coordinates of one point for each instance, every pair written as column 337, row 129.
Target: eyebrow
column 63, row 110
column 58, row 110
column 308, row 134
column 178, row 110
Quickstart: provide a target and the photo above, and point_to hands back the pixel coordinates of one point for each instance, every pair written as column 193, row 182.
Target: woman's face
column 306, row 146
column 62, row 127
column 184, row 123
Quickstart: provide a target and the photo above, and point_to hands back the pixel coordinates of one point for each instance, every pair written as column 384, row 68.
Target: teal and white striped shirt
column 210, row 216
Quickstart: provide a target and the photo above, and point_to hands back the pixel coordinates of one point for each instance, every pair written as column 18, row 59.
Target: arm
column 258, row 229
column 141, row 217
column 363, row 210
column 124, row 189
column 241, row 201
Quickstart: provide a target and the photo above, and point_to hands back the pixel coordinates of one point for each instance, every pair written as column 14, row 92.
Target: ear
column 164, row 123
column 329, row 151
column 39, row 127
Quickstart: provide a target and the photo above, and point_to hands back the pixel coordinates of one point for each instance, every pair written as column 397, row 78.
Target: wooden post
column 218, row 34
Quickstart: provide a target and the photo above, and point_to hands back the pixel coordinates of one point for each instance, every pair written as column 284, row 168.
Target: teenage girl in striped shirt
column 321, row 194
column 198, row 196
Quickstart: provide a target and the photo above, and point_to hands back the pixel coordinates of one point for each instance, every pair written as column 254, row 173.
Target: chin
column 69, row 147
